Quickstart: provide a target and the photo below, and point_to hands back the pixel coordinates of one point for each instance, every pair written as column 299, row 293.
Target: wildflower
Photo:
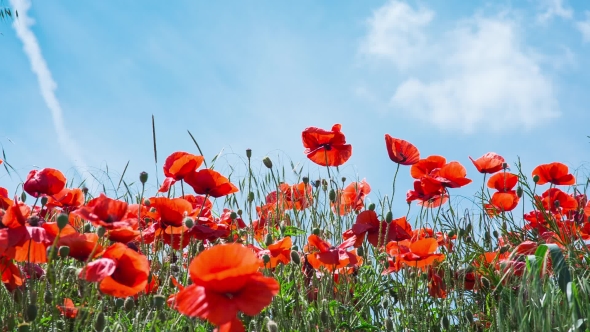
column 554, row 173
column 489, row 163
column 400, row 151
column 211, row 183
column 47, row 181
column 326, row 148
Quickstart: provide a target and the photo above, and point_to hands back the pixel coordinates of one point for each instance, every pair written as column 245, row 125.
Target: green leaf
column 559, row 265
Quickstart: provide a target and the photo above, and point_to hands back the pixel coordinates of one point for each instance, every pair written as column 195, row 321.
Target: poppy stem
column 393, row 186
column 182, row 187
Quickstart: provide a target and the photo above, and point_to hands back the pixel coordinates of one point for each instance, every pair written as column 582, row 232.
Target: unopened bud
column 519, row 191
column 267, row 162
column 100, row 231
column 360, row 251
column 316, row 231
column 143, row 177
column 240, row 212
column 119, row 303
column 444, row 322
column 44, row 200
column 62, row 220
column 332, row 196
column 31, row 312
column 496, row 234
column 51, row 253
column 271, row 326
column 159, row 301
column 389, row 217
column 536, row 178
column 250, row 197
column 23, row 196
column 100, row 323
column 305, row 180
column 147, row 202
column 64, row 251
column 372, row 206
column 233, row 215
column 266, row 259
column 343, row 179
column 295, row 258
column 504, row 165
column 324, row 317
column 249, row 153
column 48, row 297
column 268, row 240
column 129, row 304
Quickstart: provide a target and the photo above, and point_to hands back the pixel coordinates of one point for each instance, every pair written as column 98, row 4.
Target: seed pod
column 295, row 258
column 24, row 327
column 143, row 177
column 100, row 322
column 249, row 153
column 159, row 301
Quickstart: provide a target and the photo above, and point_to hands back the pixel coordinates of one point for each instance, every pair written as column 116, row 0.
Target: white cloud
column 47, row 85
column 552, row 8
column 584, row 27
column 396, row 33
column 478, row 74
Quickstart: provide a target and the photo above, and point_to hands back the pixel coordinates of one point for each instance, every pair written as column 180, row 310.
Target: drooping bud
column 388, row 324
column 343, row 179
column 119, row 303
column 48, row 297
column 147, row 202
column 233, row 215
column 23, row 197
column 267, row 162
column 295, row 258
column 268, row 240
column 444, row 322
column 240, row 212
column 24, row 327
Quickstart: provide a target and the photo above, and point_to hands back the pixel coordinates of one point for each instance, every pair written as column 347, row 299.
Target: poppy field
column 265, row 252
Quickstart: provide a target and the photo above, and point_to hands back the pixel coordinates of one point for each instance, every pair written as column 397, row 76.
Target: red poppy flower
column 172, row 211
column 436, row 284
column 225, row 281
column 503, row 182
column 5, row 201
column 329, row 257
column 81, row 245
column 47, row 181
column 278, row 252
column 11, row 274
column 351, row 198
column 121, row 271
column 326, row 148
column 489, row 163
column 418, row 254
column 556, row 200
column 180, row 164
column 555, row 173
column 106, row 212
column 400, row 151
column 68, row 310
column 425, row 166
column 66, row 199
column 210, row 182
column 453, row 175
column 427, row 194
column 502, row 202
column 379, row 233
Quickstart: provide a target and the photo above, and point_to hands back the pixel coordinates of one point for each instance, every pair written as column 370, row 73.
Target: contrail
column 22, row 26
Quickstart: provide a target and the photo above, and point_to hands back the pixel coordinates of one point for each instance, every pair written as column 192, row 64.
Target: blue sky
column 456, row 78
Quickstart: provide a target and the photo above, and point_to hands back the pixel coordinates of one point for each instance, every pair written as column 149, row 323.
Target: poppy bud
column 305, row 180
column 84, row 190
column 240, row 212
column 268, row 239
column 188, row 222
column 143, row 177
column 468, row 228
column 485, row 283
column 316, row 183
column 100, row 231
column 119, row 303
column 295, row 257
column 129, row 304
column 87, row 228
column 249, row 153
column 159, row 301
column 372, row 206
column 266, row 259
column 389, row 217
column 343, row 179
column 504, row 165
column 536, row 178
column 48, row 297
column 324, row 317
column 250, row 197
column 24, row 327
column 519, row 191
column 495, row 233
column 468, row 239
column 332, row 196
column 44, row 200
column 147, row 202
column 388, row 324
column 461, row 232
column 31, row 312
column 174, row 268
column 296, row 248
column 162, row 316
column 64, row 251
column 62, row 220
column 451, row 233
column 360, row 251
column 444, row 322
column 469, row 316
column 23, row 197
column 316, row 231
column 233, row 215
column 271, row 326
column 100, row 323
column 487, row 236
column 267, row 162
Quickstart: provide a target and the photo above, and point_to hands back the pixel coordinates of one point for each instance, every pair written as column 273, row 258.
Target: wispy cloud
column 47, row 85
column 476, row 75
column 584, row 27
column 553, row 8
